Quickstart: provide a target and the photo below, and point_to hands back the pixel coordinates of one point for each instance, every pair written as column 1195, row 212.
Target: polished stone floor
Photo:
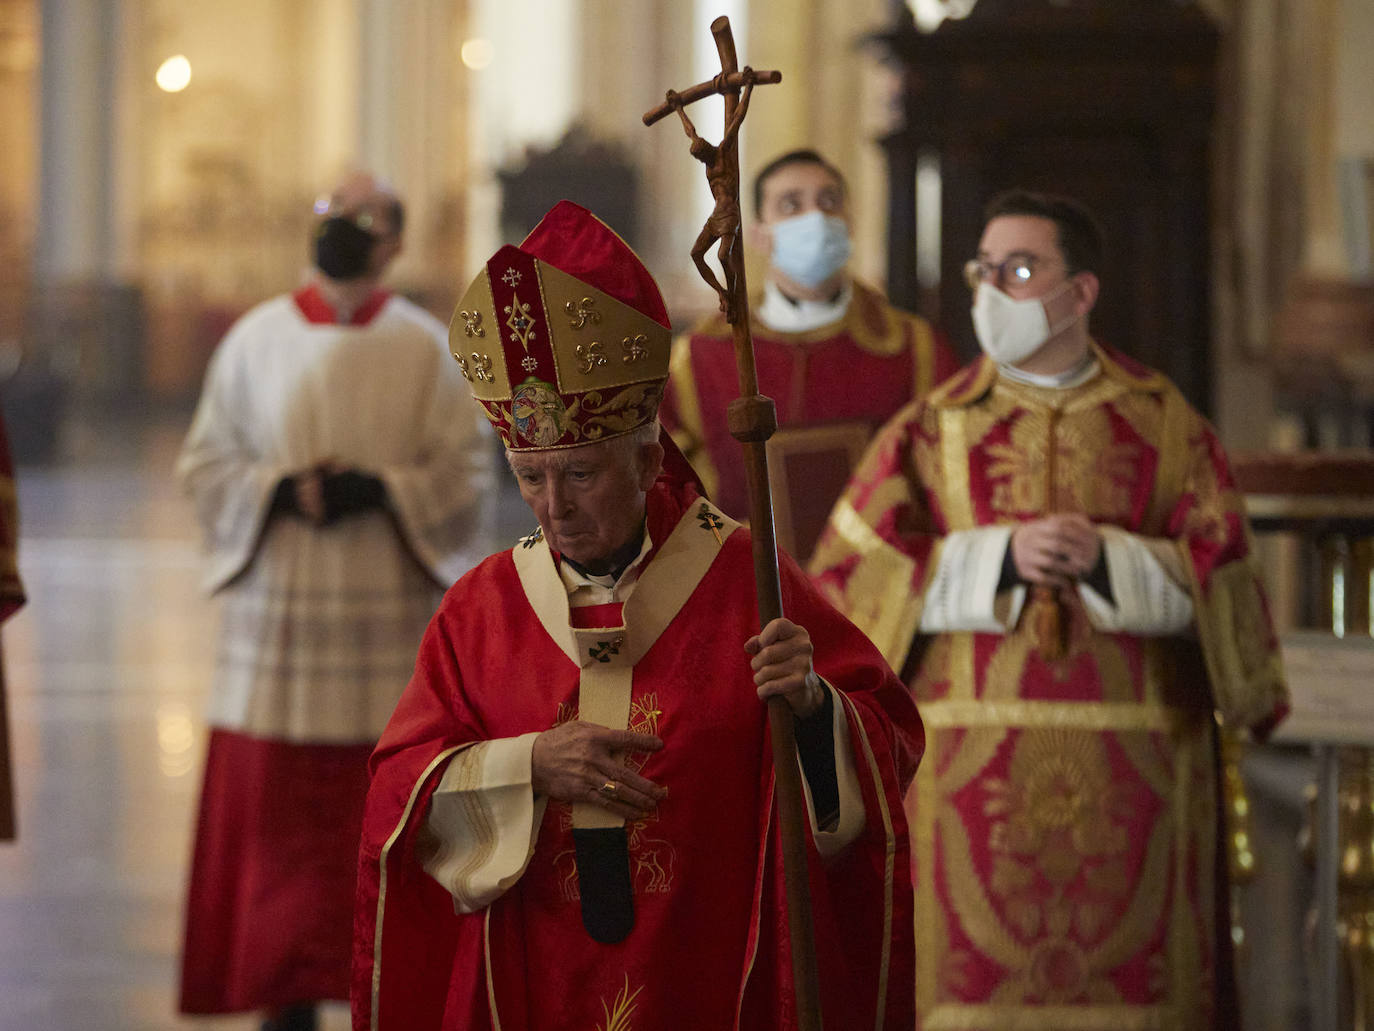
column 107, row 668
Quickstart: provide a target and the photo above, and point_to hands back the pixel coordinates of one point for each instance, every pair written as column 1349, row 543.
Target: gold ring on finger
column 608, row 789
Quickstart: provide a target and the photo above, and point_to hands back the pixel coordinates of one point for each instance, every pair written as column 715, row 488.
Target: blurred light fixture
column 930, row 13
column 174, row 74
column 477, row 53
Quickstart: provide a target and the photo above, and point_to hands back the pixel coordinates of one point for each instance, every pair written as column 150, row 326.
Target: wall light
column 174, row 74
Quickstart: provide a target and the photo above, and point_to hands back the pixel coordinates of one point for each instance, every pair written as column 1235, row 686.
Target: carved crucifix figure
column 721, row 161
column 723, row 178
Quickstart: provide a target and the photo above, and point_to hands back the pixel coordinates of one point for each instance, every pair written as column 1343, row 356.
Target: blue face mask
column 809, row 249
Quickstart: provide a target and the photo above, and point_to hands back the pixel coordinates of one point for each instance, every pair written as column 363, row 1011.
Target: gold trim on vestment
column 928, row 912
column 477, row 816
column 889, row 859
column 976, row 1017
column 691, row 435
column 756, row 905
column 1171, row 474
column 955, row 493
column 1093, row 716
column 889, row 622
column 923, row 358
column 491, row 979
column 1245, row 673
column 381, row 884
column 854, row 321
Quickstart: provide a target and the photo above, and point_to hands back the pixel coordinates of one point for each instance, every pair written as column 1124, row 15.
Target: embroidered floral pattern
column 472, row 323
column 581, row 312
column 589, row 356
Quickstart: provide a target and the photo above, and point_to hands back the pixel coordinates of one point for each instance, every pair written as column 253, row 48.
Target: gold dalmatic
column 1064, row 819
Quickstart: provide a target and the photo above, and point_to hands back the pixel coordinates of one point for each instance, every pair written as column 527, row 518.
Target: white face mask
column 1010, row 331
column 809, row 249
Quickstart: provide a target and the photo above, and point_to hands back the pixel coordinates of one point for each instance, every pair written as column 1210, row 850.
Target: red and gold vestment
column 1065, row 821
column 853, row 373
column 708, row 948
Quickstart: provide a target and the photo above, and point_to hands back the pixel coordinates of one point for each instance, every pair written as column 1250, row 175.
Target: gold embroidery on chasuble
column 619, row 1013
column 1092, row 472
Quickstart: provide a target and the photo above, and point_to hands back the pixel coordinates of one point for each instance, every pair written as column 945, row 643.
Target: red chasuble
column 833, row 387
column 1064, row 828
column 708, row 948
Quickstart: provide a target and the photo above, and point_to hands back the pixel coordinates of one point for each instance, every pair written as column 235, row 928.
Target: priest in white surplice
column 339, row 473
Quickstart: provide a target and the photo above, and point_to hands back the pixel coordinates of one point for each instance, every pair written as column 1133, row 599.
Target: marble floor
column 107, row 667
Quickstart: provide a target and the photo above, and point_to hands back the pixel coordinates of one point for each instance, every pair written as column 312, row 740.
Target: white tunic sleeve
column 484, row 819
column 1147, row 595
column 441, row 493
column 229, row 480
column 963, row 590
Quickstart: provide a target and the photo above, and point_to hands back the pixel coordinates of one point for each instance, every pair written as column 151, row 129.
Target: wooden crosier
column 752, row 419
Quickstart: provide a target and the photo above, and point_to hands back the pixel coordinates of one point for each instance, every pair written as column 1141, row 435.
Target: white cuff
column 485, row 819
column 1145, row 598
column 963, row 591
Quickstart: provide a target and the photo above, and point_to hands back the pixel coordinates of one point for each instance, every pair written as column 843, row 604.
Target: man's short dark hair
column 801, row 156
column 1080, row 233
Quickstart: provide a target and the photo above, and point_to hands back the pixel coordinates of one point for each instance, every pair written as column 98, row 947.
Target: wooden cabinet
column 1110, row 101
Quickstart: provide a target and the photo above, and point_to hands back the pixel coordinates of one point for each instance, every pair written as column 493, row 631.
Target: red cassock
column 708, row 948
column 1065, row 824
column 833, row 387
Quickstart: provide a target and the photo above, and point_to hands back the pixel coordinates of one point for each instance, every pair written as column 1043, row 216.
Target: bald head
column 371, row 202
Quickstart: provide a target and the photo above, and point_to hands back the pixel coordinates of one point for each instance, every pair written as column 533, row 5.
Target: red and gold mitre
column 564, row 340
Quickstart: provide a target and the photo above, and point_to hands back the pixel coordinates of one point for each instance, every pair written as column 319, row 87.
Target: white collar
column 783, row 314
column 1074, row 377
column 605, row 589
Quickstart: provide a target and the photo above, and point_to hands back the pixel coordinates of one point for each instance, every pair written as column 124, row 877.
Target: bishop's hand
column 584, row 762
column 782, row 666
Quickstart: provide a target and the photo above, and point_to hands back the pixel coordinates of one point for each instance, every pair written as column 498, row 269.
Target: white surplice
column 321, row 626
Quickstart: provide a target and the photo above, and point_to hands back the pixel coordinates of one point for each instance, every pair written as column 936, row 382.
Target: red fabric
column 709, row 941
column 270, row 905
column 591, row 616
column 572, row 239
column 676, row 468
column 1062, row 862
column 834, row 379
column 317, row 310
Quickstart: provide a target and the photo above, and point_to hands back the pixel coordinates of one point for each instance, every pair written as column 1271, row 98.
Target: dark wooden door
column 1110, row 101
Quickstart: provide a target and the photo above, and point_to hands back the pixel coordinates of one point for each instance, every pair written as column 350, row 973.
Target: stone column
column 82, row 335
column 408, row 61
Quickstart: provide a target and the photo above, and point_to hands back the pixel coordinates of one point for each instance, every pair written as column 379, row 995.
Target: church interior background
column 159, row 166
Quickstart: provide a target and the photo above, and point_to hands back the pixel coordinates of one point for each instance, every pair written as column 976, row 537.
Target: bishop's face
column 589, row 500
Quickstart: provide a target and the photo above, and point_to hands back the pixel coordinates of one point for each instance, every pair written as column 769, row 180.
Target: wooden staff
column 752, row 419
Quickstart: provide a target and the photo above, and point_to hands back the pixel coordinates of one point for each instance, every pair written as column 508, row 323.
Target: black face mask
column 342, row 248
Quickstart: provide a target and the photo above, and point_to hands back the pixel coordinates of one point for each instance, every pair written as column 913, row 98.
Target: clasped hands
column 584, row 762
column 1056, row 550
column 330, row 490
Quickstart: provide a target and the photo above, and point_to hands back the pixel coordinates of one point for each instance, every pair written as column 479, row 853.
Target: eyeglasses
column 1015, row 268
column 365, row 220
